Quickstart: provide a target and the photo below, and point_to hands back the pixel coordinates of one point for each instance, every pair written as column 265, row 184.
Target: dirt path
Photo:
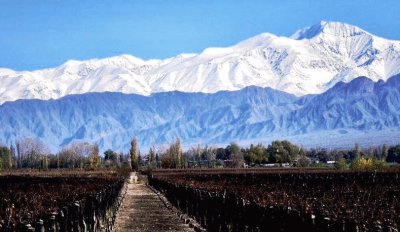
column 143, row 210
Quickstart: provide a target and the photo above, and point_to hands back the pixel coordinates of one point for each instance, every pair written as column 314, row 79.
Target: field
column 59, row 201
column 281, row 199
column 285, row 199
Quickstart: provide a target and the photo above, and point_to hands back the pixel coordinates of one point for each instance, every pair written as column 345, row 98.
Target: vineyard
column 59, row 201
column 285, row 199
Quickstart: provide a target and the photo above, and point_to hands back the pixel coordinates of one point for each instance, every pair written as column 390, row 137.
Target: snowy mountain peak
column 260, row 40
column 311, row 61
column 336, row 29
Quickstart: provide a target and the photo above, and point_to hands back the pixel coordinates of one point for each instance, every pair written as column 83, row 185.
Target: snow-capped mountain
column 309, row 62
column 360, row 111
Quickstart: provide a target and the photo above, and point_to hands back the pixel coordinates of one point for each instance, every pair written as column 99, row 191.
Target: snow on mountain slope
column 309, row 62
column 347, row 112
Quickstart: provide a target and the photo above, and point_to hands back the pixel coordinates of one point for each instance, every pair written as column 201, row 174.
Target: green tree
column 282, row 152
column 261, row 154
column 139, row 160
column 110, row 155
column 379, row 164
column 167, row 160
column 393, row 154
column 236, row 155
column 256, row 154
column 341, row 164
column 5, row 158
column 303, row 161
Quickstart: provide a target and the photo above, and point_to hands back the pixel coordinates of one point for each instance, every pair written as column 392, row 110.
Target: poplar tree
column 385, row 152
column 357, row 151
column 94, row 160
column 152, row 158
column 134, row 155
column 178, row 153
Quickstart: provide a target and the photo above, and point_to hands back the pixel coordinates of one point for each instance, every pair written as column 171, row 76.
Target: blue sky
column 40, row 34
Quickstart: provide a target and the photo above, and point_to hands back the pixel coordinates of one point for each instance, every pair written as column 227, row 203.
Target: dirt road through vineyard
column 143, row 210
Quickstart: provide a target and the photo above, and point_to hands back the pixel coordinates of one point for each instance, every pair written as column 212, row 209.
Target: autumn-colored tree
column 177, row 150
column 199, row 152
column 133, row 152
column 94, row 159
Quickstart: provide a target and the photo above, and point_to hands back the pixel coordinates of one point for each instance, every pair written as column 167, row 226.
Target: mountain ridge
column 333, row 28
column 250, row 114
column 311, row 61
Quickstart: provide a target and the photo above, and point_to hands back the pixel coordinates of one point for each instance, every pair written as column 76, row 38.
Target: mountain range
column 360, row 111
column 331, row 85
column 311, row 61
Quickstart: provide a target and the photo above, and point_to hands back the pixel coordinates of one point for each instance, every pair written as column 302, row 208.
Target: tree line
column 278, row 153
column 33, row 154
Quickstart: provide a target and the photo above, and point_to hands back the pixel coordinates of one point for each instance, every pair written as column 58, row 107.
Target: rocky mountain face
column 251, row 114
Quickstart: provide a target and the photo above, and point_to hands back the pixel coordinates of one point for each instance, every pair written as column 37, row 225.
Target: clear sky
column 46, row 33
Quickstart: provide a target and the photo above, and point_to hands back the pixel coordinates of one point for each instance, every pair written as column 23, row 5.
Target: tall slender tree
column 139, row 160
column 11, row 159
column 152, row 158
column 134, row 155
column 385, row 151
column 178, row 153
column 357, row 151
column 94, row 158
column 199, row 152
column 18, row 145
column 5, row 155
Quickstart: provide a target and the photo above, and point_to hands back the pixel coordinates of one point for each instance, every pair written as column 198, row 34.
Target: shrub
column 303, row 162
column 380, row 164
column 341, row 164
column 362, row 163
